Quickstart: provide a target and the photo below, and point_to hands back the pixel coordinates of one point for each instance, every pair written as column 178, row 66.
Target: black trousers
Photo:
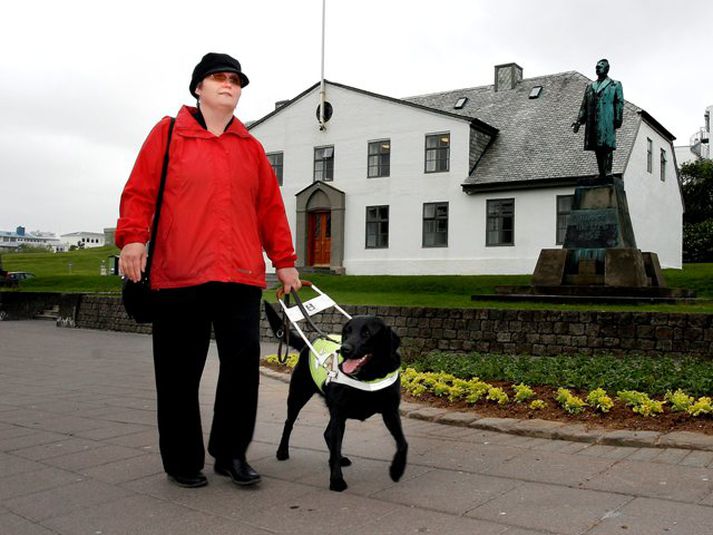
column 181, row 337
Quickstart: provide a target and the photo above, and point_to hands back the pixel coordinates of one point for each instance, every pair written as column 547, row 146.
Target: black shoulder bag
column 137, row 297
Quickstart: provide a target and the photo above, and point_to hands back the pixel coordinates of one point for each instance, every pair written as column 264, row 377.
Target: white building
column 699, row 146
column 469, row 181
column 83, row 239
column 10, row 241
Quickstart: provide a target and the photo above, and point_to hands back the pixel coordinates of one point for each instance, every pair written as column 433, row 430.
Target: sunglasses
column 222, row 77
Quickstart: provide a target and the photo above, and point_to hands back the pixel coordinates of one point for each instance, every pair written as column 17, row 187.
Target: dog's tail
column 278, row 328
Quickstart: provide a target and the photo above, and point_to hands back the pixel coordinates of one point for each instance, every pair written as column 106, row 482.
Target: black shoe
column 239, row 471
column 190, row 482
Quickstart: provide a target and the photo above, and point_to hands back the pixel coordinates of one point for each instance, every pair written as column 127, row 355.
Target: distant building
column 467, row 181
column 109, row 233
column 11, row 241
column 699, row 146
column 83, row 239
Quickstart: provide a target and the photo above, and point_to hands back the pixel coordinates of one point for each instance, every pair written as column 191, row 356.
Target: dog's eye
column 365, row 332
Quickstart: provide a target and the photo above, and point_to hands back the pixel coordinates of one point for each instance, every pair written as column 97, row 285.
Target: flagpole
column 321, row 87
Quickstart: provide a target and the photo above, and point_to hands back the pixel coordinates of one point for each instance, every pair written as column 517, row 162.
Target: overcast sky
column 83, row 82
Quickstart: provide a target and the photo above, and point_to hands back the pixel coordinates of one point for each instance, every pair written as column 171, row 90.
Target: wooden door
column 320, row 238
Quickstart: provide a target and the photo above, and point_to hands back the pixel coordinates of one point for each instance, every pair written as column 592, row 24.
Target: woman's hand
column 132, row 260
column 290, row 279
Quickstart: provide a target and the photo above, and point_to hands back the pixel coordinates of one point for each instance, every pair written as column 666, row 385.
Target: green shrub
column 582, row 372
column 598, row 399
column 569, row 402
column 679, row 400
column 698, row 241
column 523, row 392
column 640, row 403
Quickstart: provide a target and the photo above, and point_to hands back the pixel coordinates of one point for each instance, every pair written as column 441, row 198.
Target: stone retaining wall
column 535, row 332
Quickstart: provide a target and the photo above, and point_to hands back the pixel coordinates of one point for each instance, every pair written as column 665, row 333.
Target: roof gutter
column 646, row 116
column 495, row 187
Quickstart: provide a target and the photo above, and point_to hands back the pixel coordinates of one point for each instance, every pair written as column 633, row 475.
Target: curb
column 537, row 428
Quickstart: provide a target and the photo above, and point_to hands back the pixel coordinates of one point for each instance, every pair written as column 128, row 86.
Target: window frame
column 498, row 216
column 438, row 150
column 327, row 170
column 435, row 219
column 377, row 222
column 649, row 155
column 381, row 169
column 277, row 168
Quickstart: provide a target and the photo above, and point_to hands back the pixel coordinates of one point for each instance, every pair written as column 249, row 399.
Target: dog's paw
column 398, row 467
column 345, row 461
column 337, row 485
column 282, row 455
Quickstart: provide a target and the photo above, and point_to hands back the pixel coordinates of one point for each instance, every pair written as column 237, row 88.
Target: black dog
column 369, row 348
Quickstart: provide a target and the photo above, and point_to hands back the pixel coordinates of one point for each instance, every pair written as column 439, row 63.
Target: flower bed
column 626, row 409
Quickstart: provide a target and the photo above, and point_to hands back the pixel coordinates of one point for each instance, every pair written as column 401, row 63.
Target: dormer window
column 535, row 91
column 460, row 103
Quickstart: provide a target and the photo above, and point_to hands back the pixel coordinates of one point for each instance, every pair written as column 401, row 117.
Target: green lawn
column 54, row 273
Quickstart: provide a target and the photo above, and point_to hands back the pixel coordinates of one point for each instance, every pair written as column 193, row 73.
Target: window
column 663, row 165
column 649, row 155
column 535, row 92
column 435, row 224
column 564, row 207
column 377, row 227
column 379, row 158
column 460, row 103
column 324, row 163
column 276, row 159
column 437, row 152
column 500, row 224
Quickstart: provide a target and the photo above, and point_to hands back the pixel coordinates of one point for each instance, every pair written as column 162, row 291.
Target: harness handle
column 280, row 293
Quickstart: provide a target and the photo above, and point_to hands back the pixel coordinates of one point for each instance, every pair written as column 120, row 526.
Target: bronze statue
column 601, row 112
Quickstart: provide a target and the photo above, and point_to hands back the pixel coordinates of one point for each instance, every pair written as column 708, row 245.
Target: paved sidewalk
column 78, row 455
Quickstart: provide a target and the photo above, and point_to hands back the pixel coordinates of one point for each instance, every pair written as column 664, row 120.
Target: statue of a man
column 601, row 112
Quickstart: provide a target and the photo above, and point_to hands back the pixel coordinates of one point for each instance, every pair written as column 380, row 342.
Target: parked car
column 13, row 278
column 19, row 275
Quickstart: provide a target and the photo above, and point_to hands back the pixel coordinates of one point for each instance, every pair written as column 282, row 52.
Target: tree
column 697, row 188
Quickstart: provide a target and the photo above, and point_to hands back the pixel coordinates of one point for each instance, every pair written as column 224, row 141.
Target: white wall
column 655, row 206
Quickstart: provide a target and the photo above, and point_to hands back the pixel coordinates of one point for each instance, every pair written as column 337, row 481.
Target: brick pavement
column 78, row 454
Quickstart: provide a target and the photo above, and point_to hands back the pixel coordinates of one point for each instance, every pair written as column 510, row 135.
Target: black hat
column 214, row 62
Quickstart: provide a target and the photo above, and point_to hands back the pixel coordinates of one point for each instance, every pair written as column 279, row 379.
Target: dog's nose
column 346, row 350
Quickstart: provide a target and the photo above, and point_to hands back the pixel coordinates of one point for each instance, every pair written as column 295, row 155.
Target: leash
column 284, row 335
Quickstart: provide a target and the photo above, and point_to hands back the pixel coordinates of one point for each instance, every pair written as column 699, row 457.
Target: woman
column 221, row 207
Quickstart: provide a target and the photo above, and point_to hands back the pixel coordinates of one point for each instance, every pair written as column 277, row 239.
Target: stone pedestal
column 600, row 247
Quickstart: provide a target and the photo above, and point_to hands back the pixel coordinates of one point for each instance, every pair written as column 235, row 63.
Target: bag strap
column 159, row 199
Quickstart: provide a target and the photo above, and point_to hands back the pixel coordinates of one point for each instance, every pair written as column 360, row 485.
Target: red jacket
column 221, row 206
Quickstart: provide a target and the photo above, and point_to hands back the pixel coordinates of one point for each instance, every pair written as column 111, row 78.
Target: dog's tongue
column 349, row 366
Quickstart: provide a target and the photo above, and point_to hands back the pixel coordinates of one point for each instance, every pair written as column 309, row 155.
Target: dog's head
column 369, row 348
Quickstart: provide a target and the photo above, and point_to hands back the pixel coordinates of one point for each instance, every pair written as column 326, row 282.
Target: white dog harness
column 324, row 357
column 324, row 361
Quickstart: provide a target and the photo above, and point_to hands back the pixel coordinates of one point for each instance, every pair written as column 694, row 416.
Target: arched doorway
column 319, row 238
column 320, row 227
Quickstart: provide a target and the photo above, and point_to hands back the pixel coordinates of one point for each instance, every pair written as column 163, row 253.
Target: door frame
column 320, row 196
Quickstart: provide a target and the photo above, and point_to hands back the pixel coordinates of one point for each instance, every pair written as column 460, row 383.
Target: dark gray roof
column 535, row 139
